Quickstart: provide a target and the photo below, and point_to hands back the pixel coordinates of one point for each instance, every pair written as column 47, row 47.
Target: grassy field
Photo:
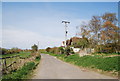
column 109, row 64
column 10, row 61
column 22, row 54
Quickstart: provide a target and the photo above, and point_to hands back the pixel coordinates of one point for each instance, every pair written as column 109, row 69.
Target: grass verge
column 23, row 72
column 96, row 62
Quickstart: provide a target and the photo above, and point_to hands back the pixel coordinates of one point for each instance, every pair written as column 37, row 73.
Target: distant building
column 76, row 50
column 63, row 44
column 72, row 41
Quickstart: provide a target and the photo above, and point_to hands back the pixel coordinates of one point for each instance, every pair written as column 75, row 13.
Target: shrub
column 107, row 48
column 61, row 50
column 68, row 50
column 9, row 51
column 38, row 58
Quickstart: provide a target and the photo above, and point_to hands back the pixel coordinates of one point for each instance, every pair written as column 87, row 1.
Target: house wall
column 76, row 49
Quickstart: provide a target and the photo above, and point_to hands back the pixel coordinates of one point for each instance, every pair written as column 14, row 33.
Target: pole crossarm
column 65, row 22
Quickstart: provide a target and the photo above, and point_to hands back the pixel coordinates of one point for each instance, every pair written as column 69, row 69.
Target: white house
column 75, row 49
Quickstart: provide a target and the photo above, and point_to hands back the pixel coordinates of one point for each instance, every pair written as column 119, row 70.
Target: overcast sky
column 26, row 23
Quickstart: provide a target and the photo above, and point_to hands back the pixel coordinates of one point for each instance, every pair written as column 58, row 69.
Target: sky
column 60, row 0
column 26, row 23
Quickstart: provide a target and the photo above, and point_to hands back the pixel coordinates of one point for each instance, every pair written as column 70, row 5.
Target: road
column 52, row 68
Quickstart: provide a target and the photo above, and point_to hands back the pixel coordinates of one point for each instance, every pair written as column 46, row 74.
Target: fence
column 9, row 64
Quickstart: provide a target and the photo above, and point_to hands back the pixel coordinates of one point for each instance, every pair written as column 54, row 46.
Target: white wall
column 76, row 49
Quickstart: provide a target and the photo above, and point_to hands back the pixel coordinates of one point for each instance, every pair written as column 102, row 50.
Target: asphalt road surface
column 52, row 68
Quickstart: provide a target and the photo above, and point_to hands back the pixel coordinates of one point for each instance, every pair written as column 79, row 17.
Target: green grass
column 10, row 60
column 22, row 54
column 23, row 72
column 106, row 54
column 105, row 64
column 96, row 61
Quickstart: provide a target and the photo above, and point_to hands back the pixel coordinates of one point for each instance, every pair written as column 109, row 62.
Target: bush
column 61, row 50
column 38, row 58
column 108, row 48
column 9, row 51
column 68, row 50
column 55, row 50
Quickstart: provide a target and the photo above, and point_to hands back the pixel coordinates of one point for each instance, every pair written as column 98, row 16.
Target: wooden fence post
column 5, row 64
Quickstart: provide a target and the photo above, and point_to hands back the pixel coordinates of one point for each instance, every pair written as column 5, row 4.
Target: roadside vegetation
column 100, row 63
column 21, row 54
column 23, row 72
column 98, row 45
column 28, row 60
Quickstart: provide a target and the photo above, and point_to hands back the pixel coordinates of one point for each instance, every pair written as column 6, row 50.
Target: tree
column 102, row 30
column 95, row 28
column 3, row 51
column 83, row 43
column 110, row 30
column 88, row 32
column 78, row 42
column 34, row 48
column 110, row 33
column 85, row 31
column 48, row 49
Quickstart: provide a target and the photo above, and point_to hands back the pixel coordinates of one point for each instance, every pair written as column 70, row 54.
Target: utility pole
column 66, row 31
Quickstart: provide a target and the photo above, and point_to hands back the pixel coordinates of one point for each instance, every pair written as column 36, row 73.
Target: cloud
column 48, row 34
column 24, row 39
column 30, row 26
